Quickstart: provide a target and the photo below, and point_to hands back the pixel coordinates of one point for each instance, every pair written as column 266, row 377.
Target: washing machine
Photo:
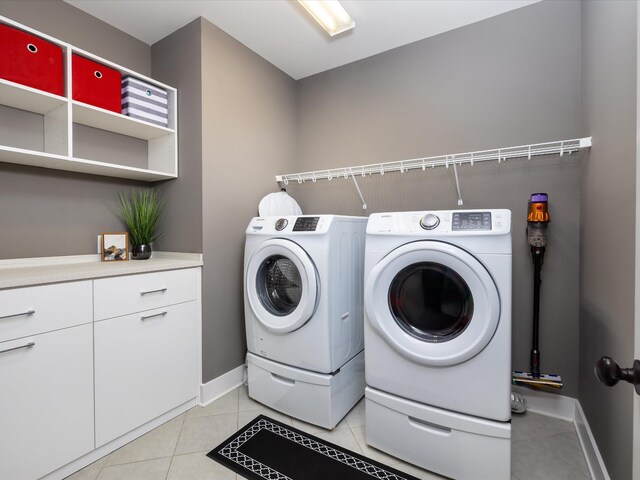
column 303, row 288
column 438, row 340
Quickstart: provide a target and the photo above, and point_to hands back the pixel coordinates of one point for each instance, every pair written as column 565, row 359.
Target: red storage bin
column 95, row 84
column 30, row 60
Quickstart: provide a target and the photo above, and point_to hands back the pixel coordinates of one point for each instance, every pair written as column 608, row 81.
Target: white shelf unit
column 61, row 113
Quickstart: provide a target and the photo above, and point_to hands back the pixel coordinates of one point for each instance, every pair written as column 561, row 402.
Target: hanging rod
column 523, row 151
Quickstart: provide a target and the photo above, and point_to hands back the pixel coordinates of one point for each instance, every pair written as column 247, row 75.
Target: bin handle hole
column 32, row 48
column 97, row 74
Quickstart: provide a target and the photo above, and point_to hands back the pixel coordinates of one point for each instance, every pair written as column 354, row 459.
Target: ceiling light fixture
column 330, row 14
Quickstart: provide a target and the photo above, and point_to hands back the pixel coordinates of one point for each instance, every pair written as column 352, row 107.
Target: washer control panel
column 306, row 224
column 471, row 221
column 281, row 224
column 291, row 225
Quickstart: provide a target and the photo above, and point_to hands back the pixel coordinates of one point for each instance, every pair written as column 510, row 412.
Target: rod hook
column 355, row 182
column 455, row 173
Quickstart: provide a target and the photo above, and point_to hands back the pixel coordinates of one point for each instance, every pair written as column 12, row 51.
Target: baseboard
column 219, row 386
column 596, row 465
column 549, row 404
column 569, row 409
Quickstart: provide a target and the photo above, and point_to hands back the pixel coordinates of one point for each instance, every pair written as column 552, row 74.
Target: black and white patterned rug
column 267, row 449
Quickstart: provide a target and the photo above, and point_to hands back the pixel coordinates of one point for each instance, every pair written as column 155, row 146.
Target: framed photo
column 115, row 247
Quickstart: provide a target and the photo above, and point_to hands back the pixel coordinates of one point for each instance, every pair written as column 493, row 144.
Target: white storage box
column 144, row 101
column 451, row 444
column 321, row 399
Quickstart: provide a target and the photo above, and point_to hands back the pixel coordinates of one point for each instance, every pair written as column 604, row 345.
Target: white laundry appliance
column 438, row 340
column 304, row 314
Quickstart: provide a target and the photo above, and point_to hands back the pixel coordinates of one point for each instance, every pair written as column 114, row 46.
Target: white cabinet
column 145, row 365
column 46, row 401
column 62, row 114
column 86, row 366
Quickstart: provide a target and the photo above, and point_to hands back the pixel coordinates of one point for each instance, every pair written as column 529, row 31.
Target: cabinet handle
column 27, row 345
column 160, row 290
column 161, row 314
column 23, row 314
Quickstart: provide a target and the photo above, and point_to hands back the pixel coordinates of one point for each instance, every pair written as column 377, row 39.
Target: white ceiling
column 283, row 33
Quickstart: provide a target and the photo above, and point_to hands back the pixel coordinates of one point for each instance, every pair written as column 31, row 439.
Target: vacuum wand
column 537, row 236
column 538, row 259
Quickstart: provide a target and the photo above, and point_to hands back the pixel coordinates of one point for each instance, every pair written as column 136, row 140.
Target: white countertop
column 26, row 272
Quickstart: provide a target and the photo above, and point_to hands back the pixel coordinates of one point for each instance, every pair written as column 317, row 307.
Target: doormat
column 267, row 449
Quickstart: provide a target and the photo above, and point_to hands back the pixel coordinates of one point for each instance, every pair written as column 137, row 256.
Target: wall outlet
column 99, row 244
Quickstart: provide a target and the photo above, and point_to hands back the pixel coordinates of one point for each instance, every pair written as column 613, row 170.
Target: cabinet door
column 145, row 365
column 46, row 402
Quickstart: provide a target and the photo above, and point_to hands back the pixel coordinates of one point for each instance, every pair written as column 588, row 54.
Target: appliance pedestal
column 320, row 399
column 451, row 444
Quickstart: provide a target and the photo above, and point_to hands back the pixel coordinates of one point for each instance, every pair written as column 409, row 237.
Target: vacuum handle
column 609, row 373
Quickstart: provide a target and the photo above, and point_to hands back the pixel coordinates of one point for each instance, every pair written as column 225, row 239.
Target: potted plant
column 141, row 214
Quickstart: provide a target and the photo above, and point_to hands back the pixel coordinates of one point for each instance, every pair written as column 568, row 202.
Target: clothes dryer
column 304, row 314
column 438, row 339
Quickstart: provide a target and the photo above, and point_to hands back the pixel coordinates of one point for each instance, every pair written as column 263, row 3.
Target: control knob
column 429, row 221
column 281, row 223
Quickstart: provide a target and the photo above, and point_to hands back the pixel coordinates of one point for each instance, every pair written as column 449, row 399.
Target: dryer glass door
column 433, row 302
column 282, row 285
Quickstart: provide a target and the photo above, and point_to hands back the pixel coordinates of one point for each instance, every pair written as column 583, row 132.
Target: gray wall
column 237, row 118
column 46, row 212
column 249, row 135
column 509, row 80
column 609, row 32
column 177, row 61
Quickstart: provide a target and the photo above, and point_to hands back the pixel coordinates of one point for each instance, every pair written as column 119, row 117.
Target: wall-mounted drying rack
column 561, row 147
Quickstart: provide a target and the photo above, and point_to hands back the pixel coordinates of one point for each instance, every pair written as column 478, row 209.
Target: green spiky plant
column 141, row 214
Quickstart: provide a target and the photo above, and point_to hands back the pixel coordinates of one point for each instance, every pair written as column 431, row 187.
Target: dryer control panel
column 441, row 222
column 471, row 221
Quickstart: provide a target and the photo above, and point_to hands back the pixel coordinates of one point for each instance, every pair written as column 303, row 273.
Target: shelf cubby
column 61, row 114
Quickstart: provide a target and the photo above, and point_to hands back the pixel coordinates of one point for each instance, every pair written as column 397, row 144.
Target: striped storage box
column 144, row 101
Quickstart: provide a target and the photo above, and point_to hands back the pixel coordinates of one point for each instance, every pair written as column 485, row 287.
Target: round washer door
column 281, row 285
column 433, row 302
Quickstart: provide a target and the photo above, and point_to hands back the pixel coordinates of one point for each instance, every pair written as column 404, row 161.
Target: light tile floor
column 543, row 448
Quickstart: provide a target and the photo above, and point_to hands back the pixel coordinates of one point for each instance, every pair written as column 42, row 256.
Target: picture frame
column 115, row 247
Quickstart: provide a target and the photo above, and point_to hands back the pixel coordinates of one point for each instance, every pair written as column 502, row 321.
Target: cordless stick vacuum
column 537, row 234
